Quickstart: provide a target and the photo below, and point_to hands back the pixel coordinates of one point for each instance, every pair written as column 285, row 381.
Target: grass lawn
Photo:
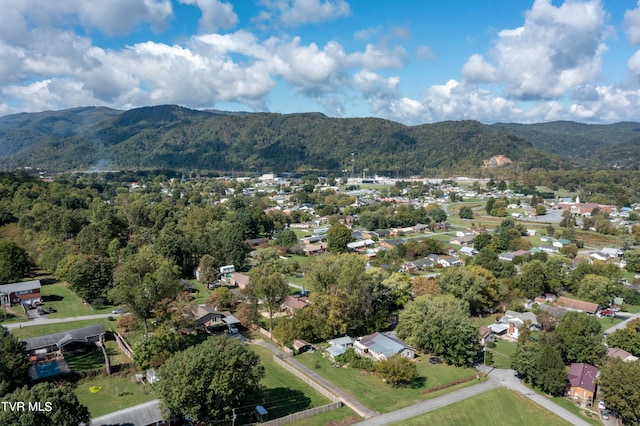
column 497, row 407
column 284, row 393
column 41, row 330
column 203, row 292
column 90, row 360
column 116, row 393
column 67, row 303
column 502, row 353
column 572, row 407
column 11, row 315
column 607, row 322
column 373, row 392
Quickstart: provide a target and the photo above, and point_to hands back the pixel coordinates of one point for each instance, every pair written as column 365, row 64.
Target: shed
column 301, row 345
column 261, row 413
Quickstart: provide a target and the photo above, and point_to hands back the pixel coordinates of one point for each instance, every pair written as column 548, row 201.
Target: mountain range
column 174, row 137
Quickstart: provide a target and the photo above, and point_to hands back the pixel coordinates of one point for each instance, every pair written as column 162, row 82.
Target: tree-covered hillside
column 179, row 138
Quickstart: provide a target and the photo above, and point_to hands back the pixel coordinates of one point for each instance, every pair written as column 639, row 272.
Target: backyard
column 374, row 393
column 285, row 394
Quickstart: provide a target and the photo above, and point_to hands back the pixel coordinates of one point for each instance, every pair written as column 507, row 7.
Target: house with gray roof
column 145, row 414
column 380, row 346
column 27, row 292
column 339, row 346
column 65, row 341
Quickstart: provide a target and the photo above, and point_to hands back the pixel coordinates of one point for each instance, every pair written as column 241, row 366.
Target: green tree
column 473, row 284
column 142, row 281
column 58, row 406
column 286, row 238
column 598, row 289
column 440, row 324
column 269, row 285
column 465, row 213
column 532, row 281
column 209, row 271
column 397, row 370
column 551, row 374
column 223, row 373
column 338, row 237
column 620, row 387
column 14, row 363
column 90, row 276
column 489, row 205
column 633, row 260
column 14, row 261
column 581, row 337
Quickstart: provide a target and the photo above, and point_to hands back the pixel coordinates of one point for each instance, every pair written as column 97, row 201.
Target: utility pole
column 233, row 417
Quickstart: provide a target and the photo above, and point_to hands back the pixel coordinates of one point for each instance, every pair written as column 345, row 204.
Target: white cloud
column 478, row 70
column 216, row 14
column 376, row 58
column 367, row 33
column 632, row 25
column 634, row 63
column 557, row 49
column 299, row 12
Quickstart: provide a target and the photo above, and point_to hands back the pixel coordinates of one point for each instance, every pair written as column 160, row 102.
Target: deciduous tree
column 14, row 362
column 14, row 261
column 620, row 387
column 269, row 285
column 580, row 336
column 338, row 237
column 205, row 382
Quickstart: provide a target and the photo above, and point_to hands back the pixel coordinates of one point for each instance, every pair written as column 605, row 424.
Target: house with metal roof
column 380, row 346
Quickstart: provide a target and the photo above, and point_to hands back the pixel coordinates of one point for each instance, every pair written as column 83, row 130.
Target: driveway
column 43, row 320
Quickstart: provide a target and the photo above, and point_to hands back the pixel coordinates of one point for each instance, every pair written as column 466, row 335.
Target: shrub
column 397, row 370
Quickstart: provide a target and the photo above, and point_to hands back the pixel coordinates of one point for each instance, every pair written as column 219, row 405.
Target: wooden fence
column 123, row 345
column 303, row 414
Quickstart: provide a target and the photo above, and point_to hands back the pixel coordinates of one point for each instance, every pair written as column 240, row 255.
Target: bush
column 491, row 345
column 355, row 361
column 397, row 370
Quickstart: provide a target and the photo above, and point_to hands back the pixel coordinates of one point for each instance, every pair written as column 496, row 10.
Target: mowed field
column 499, row 407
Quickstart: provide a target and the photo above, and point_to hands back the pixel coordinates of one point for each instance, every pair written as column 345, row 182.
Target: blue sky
column 412, row 61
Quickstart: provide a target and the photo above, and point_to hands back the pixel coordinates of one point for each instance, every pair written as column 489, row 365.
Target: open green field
column 344, row 414
column 117, row 392
column 41, row 330
column 284, row 393
column 373, row 392
column 67, row 303
column 203, row 292
column 497, row 407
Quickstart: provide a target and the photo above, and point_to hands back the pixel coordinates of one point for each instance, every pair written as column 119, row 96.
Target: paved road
column 497, row 378
column 43, row 320
column 622, row 324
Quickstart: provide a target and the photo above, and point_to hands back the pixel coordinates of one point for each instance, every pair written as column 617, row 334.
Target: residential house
column 206, row 317
column 621, row 354
column 599, row 256
column 65, row 341
column 463, row 241
column 314, row 249
column 561, row 243
column 339, row 346
column 420, row 227
column 147, row 414
column 239, row 279
column 389, row 244
column 449, row 261
column 577, row 305
column 26, row 293
column 468, row 251
column 380, row 346
column 582, row 383
column 486, row 335
column 516, row 319
column 417, row 265
column 359, row 245
column 292, row 304
column 549, row 249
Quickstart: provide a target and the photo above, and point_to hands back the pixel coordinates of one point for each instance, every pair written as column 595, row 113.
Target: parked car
column 601, row 405
column 41, row 311
column 604, row 414
column 435, row 360
column 118, row 311
column 233, row 329
column 49, row 309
